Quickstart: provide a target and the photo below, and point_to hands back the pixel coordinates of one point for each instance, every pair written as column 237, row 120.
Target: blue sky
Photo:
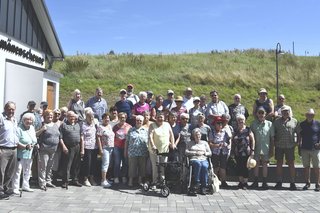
column 185, row 26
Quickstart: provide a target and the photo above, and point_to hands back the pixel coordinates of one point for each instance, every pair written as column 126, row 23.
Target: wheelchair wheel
column 165, row 191
column 145, row 187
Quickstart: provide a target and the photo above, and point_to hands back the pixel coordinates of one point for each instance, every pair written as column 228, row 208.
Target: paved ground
column 97, row 199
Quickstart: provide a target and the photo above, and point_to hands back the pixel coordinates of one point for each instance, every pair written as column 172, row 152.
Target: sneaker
column 50, row 185
column 105, row 184
column 293, row 186
column 116, row 180
column 255, row 184
column 317, row 189
column 16, row 192
column 27, row 190
column 306, row 187
column 278, row 185
column 87, row 183
column 224, row 184
column 124, row 180
column 265, row 185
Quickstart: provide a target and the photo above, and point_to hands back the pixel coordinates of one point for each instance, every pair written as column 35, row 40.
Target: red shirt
column 120, row 134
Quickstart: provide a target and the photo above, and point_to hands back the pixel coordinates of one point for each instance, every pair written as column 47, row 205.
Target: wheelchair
column 213, row 181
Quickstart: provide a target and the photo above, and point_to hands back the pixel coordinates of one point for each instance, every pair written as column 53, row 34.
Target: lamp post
column 278, row 51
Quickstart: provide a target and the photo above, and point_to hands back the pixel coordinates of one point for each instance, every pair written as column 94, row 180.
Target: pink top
column 120, row 134
column 140, row 109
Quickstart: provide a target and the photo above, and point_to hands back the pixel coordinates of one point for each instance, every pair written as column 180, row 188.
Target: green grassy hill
column 228, row 72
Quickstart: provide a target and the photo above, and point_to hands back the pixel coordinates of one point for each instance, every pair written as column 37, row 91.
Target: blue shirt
column 310, row 134
column 98, row 106
column 8, row 132
column 124, row 106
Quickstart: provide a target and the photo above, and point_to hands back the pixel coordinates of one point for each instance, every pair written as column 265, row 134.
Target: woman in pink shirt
column 120, row 130
column 140, row 107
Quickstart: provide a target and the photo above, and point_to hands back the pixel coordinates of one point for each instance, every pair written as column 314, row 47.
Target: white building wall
column 33, row 82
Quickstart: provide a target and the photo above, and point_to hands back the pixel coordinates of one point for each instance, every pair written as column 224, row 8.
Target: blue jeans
column 119, row 159
column 200, row 171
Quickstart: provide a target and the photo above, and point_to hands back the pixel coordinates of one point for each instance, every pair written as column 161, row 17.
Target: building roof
column 48, row 29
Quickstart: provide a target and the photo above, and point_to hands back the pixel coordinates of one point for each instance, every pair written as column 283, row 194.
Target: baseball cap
column 170, row 91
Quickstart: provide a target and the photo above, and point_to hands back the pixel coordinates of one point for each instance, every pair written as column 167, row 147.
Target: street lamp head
column 278, row 49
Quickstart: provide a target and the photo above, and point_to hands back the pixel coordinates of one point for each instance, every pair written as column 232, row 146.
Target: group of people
column 87, row 141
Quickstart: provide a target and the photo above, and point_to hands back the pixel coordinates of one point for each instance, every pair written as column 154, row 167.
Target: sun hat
column 217, row 119
column 196, row 99
column 310, row 112
column 170, row 91
column 251, row 163
column 123, row 91
column 262, row 90
column 179, row 99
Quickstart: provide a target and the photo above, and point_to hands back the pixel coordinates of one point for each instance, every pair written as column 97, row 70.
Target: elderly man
column 265, row 102
column 277, row 108
column 8, row 148
column 309, row 147
column 31, row 108
column 71, row 142
column 124, row 105
column 285, row 128
column 188, row 99
column 169, row 103
column 263, row 136
column 131, row 96
column 98, row 104
column 236, row 109
column 216, row 108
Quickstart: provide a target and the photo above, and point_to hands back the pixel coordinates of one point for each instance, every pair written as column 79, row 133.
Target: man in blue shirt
column 123, row 105
column 98, row 104
column 8, row 148
column 309, row 147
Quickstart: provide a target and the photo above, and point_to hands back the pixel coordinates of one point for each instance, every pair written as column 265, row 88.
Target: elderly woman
column 27, row 140
column 160, row 138
column 48, row 142
column 194, row 111
column 71, row 144
column 120, row 130
column 179, row 109
column 113, row 116
column 242, row 147
column 77, row 105
column 140, row 107
column 146, row 121
column 136, row 149
column 265, row 102
column 89, row 148
column 220, row 150
column 63, row 115
column 105, row 139
column 157, row 108
column 198, row 151
column 205, row 129
column 236, row 109
column 184, row 137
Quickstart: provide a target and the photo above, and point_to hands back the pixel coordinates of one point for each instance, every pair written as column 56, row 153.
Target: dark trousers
column 242, row 169
column 89, row 163
column 8, row 162
column 71, row 163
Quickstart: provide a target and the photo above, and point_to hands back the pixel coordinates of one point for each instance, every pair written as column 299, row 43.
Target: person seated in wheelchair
column 198, row 151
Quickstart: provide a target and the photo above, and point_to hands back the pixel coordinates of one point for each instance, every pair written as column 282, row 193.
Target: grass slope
column 228, row 72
